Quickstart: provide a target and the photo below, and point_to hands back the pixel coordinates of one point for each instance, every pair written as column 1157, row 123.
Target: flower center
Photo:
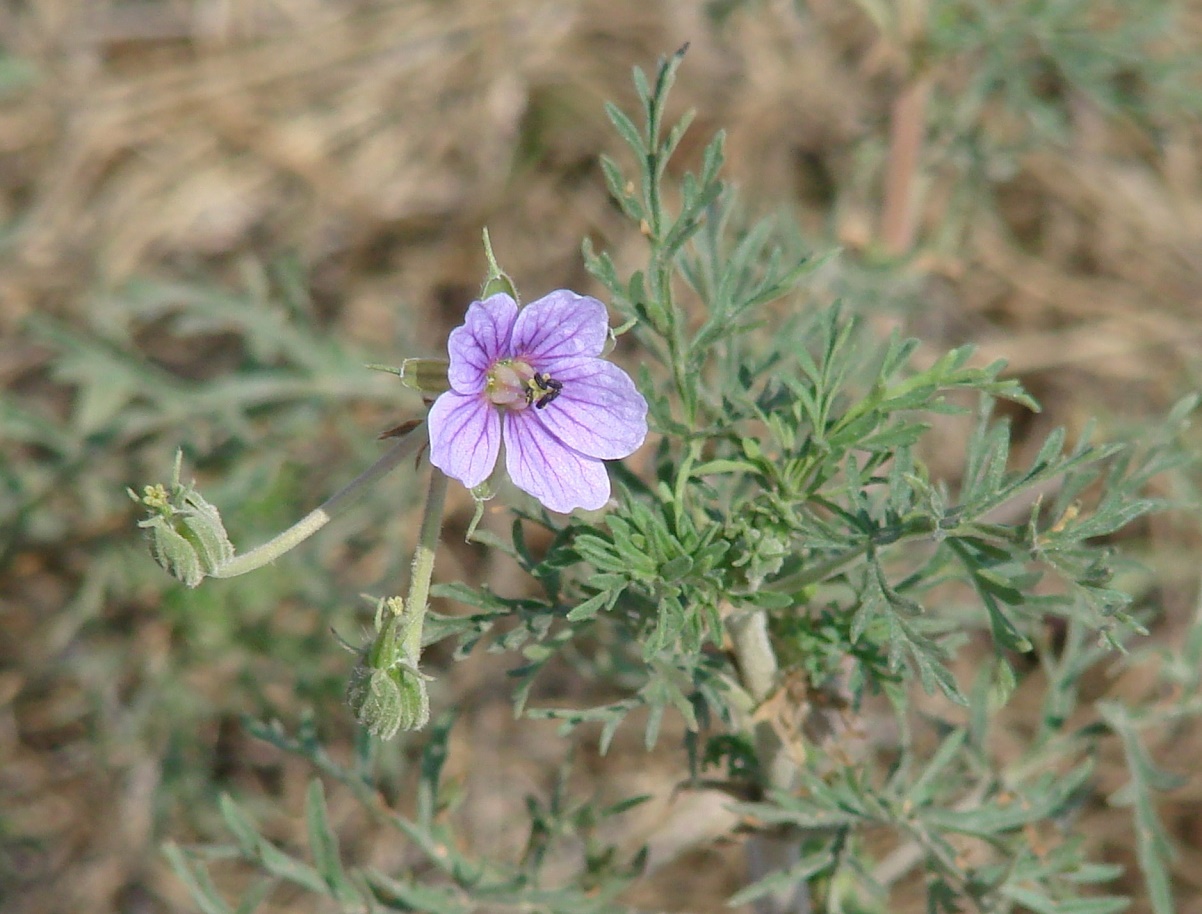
column 514, row 384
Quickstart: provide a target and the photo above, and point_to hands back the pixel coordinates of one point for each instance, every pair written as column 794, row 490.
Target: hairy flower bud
column 186, row 534
column 388, row 700
column 386, row 690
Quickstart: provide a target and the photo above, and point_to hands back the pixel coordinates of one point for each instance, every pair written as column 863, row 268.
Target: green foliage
column 440, row 878
column 791, row 481
column 1011, row 78
column 1034, row 53
column 789, row 534
column 114, row 413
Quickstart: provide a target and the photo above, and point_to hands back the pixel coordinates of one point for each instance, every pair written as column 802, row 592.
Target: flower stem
column 388, row 690
column 319, row 517
column 423, row 563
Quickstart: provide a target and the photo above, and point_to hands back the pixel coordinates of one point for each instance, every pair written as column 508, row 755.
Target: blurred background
column 214, row 213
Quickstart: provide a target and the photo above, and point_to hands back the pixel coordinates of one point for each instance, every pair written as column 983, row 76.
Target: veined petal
column 541, row 464
column 559, row 325
column 465, row 437
column 598, row 412
column 483, row 338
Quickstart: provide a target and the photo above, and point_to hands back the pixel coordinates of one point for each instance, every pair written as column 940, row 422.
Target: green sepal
column 497, row 280
column 429, row 376
column 426, row 375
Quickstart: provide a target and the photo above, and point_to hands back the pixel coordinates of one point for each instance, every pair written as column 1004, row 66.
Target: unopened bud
column 186, row 534
column 385, row 701
column 386, row 691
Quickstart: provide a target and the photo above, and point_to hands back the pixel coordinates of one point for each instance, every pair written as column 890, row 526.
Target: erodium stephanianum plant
column 838, row 629
column 534, row 379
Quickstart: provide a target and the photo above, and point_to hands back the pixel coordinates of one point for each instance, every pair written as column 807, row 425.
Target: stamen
column 548, row 385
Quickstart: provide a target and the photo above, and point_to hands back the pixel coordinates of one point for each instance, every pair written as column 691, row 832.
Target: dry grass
column 377, row 139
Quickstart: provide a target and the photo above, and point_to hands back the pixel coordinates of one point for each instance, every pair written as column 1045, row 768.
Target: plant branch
column 907, row 131
column 320, row 516
column 767, row 852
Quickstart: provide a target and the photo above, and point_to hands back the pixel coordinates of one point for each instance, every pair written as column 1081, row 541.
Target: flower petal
column 559, row 325
column 541, row 464
column 599, row 412
column 465, row 437
column 483, row 338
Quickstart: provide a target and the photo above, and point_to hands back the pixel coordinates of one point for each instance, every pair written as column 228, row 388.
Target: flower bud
column 387, row 700
column 386, row 690
column 187, row 537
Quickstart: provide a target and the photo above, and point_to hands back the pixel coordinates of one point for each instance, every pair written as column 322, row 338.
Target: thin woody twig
column 907, row 131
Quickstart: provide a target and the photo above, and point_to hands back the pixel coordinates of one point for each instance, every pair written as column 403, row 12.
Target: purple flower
column 533, row 379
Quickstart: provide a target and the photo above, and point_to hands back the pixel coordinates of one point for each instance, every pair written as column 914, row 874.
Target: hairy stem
column 423, row 563
column 319, row 517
